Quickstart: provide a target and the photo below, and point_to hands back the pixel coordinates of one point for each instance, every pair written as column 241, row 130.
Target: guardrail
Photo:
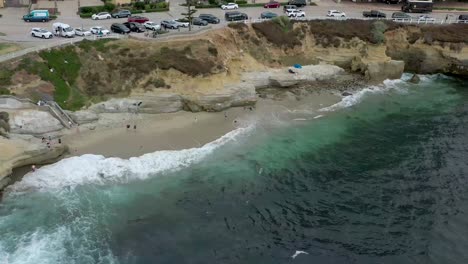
column 401, row 20
column 63, row 42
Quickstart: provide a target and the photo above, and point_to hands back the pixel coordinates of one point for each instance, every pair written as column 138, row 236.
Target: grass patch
column 60, row 67
column 2, row 34
column 5, row 76
column 99, row 45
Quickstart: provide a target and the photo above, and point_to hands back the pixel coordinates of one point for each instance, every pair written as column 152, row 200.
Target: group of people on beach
column 48, row 141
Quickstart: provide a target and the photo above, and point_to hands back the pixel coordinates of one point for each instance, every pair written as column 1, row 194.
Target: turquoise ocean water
column 381, row 177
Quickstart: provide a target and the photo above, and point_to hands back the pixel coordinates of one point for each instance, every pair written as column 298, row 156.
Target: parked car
column 151, row 25
column 41, row 33
column 199, row 22
column 183, row 22
column 287, row 7
column 268, row 15
column 235, row 16
column 37, row 16
column 82, row 32
column 374, row 13
column 122, row 13
column 119, row 28
column 463, row 19
column 401, row 16
column 170, row 24
column 295, row 13
column 135, row 27
column 298, row 3
column 63, row 30
column 209, row 18
column 97, row 29
column 335, row 13
column 138, row 19
column 426, row 18
column 230, row 6
column 272, row 4
column 102, row 15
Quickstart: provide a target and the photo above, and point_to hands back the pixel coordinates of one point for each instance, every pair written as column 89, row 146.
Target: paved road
column 18, row 30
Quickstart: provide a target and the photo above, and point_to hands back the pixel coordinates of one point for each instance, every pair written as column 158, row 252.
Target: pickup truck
column 374, row 13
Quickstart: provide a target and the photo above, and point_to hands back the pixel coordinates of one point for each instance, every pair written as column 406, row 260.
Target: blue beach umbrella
column 297, row 66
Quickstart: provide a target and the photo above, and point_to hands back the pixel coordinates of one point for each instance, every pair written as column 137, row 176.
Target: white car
column 41, row 33
column 295, row 13
column 182, row 23
column 151, row 25
column 82, row 32
column 335, row 13
column 426, row 18
column 230, row 6
column 96, row 30
column 102, row 15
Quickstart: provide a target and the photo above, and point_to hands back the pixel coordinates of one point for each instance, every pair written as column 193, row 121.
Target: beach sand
column 182, row 130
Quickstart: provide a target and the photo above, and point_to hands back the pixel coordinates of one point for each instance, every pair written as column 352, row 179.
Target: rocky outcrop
column 33, row 122
column 242, row 94
column 377, row 72
column 4, row 125
column 8, row 102
column 83, row 117
column 146, row 103
column 22, row 150
column 283, row 78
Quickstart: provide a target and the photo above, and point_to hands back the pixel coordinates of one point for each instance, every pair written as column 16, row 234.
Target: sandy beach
column 111, row 138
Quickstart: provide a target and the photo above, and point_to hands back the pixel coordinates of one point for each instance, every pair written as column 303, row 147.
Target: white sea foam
column 96, row 169
column 41, row 247
column 357, row 97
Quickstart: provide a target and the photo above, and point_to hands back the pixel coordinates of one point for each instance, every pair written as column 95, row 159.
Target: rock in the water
column 346, row 94
column 379, row 71
column 34, row 122
column 415, row 79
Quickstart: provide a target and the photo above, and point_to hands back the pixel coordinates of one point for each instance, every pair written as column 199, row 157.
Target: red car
column 272, row 4
column 138, row 19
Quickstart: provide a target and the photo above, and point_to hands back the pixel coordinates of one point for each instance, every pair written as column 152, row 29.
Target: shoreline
column 176, row 131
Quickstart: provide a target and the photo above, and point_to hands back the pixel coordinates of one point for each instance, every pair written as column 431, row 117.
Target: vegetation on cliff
column 93, row 71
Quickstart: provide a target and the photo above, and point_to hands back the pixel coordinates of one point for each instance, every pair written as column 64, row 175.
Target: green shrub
column 86, row 9
column 4, row 91
column 109, row 7
column 213, row 2
column 86, row 15
column 284, row 22
column 5, row 76
column 240, row 2
column 162, row 5
column 378, row 30
column 139, row 5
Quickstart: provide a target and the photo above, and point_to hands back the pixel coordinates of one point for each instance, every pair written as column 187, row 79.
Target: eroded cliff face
column 426, row 56
column 183, row 73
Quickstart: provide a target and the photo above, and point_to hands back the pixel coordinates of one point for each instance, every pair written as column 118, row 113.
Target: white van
column 63, row 30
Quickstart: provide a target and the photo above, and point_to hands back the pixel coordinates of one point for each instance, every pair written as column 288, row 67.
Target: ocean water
column 380, row 177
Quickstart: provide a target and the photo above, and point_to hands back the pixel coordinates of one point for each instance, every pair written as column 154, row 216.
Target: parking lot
column 19, row 31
